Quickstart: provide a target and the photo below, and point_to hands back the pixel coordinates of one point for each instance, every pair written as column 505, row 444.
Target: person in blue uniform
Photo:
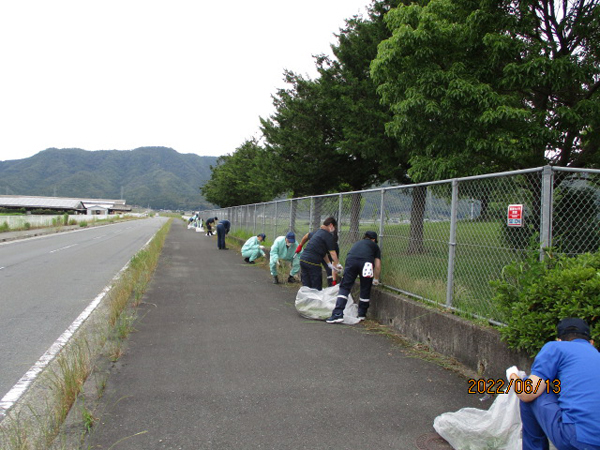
column 566, row 404
column 320, row 247
column 223, row 228
column 364, row 261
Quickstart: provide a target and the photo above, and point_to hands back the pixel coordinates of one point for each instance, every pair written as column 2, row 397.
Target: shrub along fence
column 443, row 242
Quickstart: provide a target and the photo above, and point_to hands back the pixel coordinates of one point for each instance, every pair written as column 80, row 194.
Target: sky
column 193, row 75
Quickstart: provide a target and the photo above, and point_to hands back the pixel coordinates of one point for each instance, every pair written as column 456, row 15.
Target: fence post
column 310, row 214
column 452, row 244
column 339, row 219
column 264, row 217
column 381, row 216
column 546, row 207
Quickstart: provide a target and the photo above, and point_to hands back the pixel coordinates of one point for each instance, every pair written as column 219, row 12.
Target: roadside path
column 222, row 360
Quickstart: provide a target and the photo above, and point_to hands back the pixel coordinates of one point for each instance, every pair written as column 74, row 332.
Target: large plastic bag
column 498, row 428
column 319, row 305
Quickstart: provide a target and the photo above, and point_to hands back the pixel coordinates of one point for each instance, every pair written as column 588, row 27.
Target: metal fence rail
column 444, row 241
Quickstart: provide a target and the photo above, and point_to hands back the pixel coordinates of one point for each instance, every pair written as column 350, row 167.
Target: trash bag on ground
column 319, row 305
column 499, row 427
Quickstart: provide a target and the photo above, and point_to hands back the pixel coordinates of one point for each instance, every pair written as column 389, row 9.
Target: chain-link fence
column 443, row 242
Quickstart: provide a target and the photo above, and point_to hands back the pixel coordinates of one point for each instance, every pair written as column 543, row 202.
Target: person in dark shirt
column 223, row 228
column 332, row 275
column 209, row 223
column 319, row 248
column 364, row 261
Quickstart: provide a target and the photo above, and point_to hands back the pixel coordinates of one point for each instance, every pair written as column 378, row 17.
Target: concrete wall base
column 477, row 347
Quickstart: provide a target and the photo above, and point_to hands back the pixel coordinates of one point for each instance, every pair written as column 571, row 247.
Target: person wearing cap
column 363, row 261
column 284, row 249
column 209, row 223
column 319, row 248
column 566, row 404
column 253, row 248
column 223, row 228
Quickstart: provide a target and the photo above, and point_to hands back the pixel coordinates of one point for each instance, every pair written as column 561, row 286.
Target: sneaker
column 275, row 279
column 335, row 319
column 291, row 279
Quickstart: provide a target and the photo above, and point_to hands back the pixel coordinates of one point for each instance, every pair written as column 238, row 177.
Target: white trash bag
column 499, row 427
column 319, row 305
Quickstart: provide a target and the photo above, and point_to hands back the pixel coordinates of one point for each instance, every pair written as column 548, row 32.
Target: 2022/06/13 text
column 501, row 386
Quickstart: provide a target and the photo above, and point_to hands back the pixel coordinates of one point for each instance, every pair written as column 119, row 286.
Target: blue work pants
column 542, row 420
column 221, row 236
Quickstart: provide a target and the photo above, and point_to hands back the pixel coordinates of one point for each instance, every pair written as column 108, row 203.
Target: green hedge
column 535, row 295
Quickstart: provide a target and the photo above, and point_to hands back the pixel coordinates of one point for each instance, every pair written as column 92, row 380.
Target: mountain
column 158, row 177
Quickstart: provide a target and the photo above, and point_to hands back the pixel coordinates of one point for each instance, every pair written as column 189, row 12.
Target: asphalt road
column 221, row 359
column 47, row 281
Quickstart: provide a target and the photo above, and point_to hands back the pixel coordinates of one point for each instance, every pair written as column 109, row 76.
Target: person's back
column 364, row 250
column 317, row 246
column 572, row 370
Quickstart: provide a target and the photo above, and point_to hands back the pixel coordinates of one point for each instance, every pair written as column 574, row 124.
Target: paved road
column 222, row 360
column 46, row 282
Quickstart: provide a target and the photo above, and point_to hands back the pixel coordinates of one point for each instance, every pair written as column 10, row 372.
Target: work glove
column 299, row 249
column 262, row 247
column 330, row 266
column 375, row 282
column 339, row 268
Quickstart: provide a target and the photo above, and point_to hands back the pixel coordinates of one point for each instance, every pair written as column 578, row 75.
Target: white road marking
column 62, row 248
column 26, row 380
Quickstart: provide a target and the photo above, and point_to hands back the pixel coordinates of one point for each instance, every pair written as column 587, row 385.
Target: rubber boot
column 275, row 279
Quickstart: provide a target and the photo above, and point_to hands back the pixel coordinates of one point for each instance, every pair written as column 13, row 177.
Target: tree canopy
column 477, row 86
column 329, row 133
column 239, row 178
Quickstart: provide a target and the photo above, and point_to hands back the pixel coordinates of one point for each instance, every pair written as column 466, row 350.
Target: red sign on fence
column 515, row 216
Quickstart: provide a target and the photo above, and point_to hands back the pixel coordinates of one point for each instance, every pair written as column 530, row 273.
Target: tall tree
column 479, row 86
column 301, row 140
column 359, row 113
column 329, row 133
column 239, row 178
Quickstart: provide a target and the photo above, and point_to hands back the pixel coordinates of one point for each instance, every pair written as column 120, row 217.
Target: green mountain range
column 158, row 177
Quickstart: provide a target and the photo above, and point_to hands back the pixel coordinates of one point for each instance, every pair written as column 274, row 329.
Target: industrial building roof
column 24, row 201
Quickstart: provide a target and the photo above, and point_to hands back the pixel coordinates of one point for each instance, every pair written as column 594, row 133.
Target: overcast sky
column 193, row 75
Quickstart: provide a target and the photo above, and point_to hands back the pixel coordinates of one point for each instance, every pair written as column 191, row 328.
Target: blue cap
column 291, row 236
column 262, row 235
